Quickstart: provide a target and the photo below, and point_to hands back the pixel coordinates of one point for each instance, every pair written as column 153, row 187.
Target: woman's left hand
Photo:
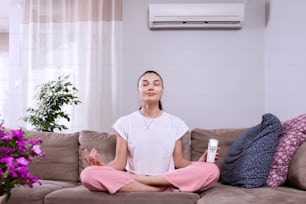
column 204, row 155
column 92, row 158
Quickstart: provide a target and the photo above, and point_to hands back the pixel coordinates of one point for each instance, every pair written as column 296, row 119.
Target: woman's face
column 150, row 88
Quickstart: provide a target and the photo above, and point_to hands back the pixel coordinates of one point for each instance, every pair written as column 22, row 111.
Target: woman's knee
column 215, row 172
column 87, row 176
column 211, row 174
column 210, row 171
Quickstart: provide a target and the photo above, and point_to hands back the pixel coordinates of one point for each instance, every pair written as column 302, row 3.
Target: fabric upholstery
column 226, row 194
column 297, row 169
column 292, row 136
column 80, row 195
column 36, row 195
column 250, row 157
column 61, row 157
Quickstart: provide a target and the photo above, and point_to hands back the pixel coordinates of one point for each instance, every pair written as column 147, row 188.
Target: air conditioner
column 203, row 15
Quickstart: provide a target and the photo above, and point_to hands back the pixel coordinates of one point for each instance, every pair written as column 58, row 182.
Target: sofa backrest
column 200, row 137
column 61, row 157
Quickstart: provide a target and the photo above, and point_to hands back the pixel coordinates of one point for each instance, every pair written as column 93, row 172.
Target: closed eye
column 156, row 83
column 145, row 83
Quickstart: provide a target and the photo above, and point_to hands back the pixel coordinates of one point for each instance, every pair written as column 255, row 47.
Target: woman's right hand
column 93, row 158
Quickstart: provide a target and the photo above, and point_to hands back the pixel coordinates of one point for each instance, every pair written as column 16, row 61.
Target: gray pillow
column 250, row 157
column 61, row 157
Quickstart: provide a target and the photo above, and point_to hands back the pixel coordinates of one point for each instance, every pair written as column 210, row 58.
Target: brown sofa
column 60, row 169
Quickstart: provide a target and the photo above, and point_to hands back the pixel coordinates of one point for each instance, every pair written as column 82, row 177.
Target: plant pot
column 3, row 199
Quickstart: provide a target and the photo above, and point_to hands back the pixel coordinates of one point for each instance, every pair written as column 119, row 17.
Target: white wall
column 213, row 78
column 286, row 58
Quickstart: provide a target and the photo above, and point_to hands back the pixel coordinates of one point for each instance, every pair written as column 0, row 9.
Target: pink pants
column 198, row 176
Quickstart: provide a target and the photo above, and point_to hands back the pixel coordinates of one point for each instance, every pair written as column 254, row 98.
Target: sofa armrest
column 296, row 172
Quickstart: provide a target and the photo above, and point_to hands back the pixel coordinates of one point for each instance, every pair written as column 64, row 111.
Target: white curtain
column 4, row 42
column 81, row 38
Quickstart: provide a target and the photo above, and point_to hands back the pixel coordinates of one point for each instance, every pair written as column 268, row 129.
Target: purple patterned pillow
column 292, row 136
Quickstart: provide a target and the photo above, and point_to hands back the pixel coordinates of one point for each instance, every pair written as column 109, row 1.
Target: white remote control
column 212, row 150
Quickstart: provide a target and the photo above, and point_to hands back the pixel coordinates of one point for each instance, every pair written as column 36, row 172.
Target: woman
column 148, row 151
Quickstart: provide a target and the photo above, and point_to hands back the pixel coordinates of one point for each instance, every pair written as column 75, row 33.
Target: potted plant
column 17, row 151
column 51, row 98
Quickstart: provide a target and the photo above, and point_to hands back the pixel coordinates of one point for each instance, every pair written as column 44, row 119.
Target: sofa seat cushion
column 225, row 194
column 250, row 157
column 61, row 157
column 81, row 195
column 36, row 195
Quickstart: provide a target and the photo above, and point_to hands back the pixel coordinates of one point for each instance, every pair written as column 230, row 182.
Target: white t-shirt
column 150, row 141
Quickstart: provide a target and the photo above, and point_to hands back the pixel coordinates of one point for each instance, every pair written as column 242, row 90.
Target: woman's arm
column 119, row 161
column 179, row 160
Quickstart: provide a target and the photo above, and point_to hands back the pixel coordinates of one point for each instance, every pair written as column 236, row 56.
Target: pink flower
column 22, row 161
column 16, row 153
column 37, row 150
column 17, row 133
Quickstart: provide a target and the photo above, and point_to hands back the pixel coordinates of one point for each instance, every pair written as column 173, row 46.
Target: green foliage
column 51, row 98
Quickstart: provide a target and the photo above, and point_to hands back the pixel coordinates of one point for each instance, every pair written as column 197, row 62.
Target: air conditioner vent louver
column 194, row 22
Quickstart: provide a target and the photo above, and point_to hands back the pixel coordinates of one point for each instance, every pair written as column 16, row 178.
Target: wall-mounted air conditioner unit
column 203, row 15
